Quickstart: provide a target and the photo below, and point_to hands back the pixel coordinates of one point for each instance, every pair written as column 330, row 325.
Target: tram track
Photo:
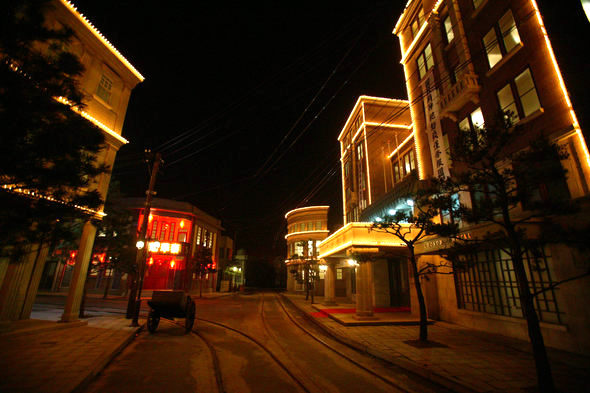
column 386, row 380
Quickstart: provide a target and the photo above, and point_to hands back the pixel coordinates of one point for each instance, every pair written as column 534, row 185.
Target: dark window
column 486, row 282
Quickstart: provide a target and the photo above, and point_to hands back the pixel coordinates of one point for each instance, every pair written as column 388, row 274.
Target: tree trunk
column 544, row 377
column 85, row 292
column 420, row 295
column 132, row 295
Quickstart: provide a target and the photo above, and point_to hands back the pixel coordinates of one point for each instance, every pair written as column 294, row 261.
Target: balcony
column 466, row 89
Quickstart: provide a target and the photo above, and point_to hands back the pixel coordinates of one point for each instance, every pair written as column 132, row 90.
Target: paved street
column 267, row 352
column 259, row 342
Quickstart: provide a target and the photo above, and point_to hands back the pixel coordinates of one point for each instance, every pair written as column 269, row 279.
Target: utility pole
column 142, row 252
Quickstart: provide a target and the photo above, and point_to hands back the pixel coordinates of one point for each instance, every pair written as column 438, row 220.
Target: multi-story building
column 465, row 61
column 379, row 165
column 107, row 82
column 306, row 228
column 179, row 236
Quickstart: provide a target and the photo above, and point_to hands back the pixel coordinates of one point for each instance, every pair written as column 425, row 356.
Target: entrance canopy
column 359, row 237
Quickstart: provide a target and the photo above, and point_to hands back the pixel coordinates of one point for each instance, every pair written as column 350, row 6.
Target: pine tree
column 46, row 149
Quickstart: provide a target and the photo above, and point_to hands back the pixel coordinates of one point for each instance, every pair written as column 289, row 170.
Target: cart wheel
column 190, row 317
column 153, row 320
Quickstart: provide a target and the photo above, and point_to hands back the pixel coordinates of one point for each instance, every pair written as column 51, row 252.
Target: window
column 104, row 89
column 163, row 231
column 301, row 227
column 448, row 29
column 403, row 165
column 339, row 274
column 154, row 229
column 198, row 235
column 501, row 39
column 310, row 226
column 181, row 237
column 485, row 282
column 417, row 23
column 425, row 61
column 473, row 124
column 299, row 248
column 477, row 3
column 317, row 247
column 318, row 225
column 362, row 176
column 172, row 227
column 527, row 101
column 310, row 252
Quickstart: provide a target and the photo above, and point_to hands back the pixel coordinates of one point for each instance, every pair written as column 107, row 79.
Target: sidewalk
column 47, row 356
column 466, row 360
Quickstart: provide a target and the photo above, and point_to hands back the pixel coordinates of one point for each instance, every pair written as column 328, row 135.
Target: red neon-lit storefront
column 168, row 250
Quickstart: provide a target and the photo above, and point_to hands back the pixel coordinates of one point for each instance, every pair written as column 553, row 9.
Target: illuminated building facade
column 379, row 163
column 107, row 83
column 465, row 61
column 306, row 228
column 179, row 237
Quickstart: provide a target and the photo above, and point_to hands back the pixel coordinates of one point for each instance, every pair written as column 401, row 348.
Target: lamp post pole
column 142, row 252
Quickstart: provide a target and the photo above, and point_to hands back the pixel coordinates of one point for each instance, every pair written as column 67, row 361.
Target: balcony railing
column 466, row 89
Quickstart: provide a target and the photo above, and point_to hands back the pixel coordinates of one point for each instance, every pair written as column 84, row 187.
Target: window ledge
column 103, row 102
column 505, row 59
column 478, row 10
column 531, row 117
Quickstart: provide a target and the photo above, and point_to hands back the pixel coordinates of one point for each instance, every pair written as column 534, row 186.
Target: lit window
column 104, row 89
column 318, row 225
column 182, row 237
column 448, row 25
column 425, row 61
column 477, row 3
column 473, row 124
column 403, row 165
column 527, row 92
column 154, row 229
column 527, row 100
column 501, row 39
column 310, row 248
column 507, row 103
column 339, row 274
column 198, row 235
column 172, row 227
column 417, row 23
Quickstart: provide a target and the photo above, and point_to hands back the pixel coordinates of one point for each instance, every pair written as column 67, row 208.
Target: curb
column 105, row 359
column 413, row 368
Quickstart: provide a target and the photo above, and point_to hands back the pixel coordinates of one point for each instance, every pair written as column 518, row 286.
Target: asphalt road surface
column 245, row 343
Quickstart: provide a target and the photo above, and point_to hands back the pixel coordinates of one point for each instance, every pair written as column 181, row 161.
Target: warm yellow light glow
column 165, row 247
column 175, row 248
column 150, row 218
column 288, row 235
column 35, row 195
column 139, row 244
column 575, row 123
column 92, row 119
column 389, row 125
column 401, row 145
column 306, row 208
column 352, row 262
column 368, row 169
column 413, row 43
column 153, row 246
column 172, row 263
column 182, row 223
column 363, row 99
column 102, row 38
column 323, row 267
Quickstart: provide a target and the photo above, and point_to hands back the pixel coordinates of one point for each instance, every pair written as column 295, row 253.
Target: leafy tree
column 202, row 265
column 413, row 225
column 518, row 187
column 46, row 149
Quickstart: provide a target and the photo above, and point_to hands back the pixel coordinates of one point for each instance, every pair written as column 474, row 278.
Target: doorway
column 399, row 288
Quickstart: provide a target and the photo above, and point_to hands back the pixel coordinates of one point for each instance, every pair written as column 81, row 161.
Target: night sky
column 245, row 100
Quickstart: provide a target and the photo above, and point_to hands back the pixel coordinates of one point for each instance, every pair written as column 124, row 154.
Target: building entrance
column 399, row 289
